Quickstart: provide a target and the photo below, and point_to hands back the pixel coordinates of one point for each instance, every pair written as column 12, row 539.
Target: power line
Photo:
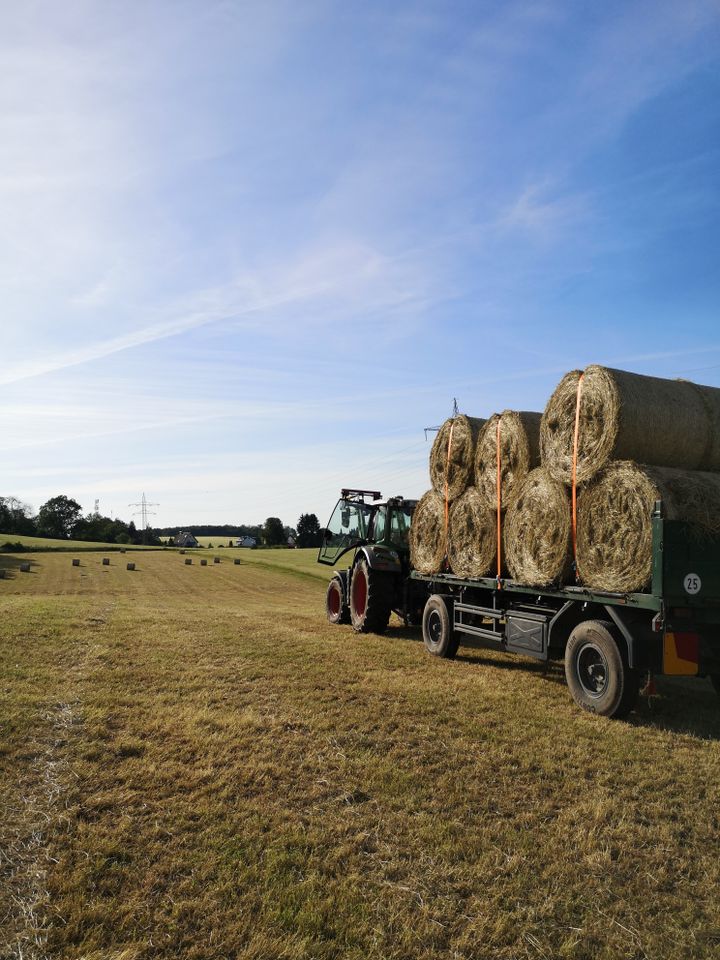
column 144, row 513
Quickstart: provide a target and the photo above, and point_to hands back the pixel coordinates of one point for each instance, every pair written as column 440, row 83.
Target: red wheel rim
column 359, row 592
column 334, row 600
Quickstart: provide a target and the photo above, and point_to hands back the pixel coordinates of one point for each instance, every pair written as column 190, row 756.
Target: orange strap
column 576, row 438
column 447, row 490
column 499, row 502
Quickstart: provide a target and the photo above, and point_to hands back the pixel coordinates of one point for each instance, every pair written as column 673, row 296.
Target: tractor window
column 346, row 527
column 379, row 525
column 400, row 526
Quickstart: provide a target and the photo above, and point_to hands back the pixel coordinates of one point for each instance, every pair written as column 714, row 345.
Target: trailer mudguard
column 643, row 645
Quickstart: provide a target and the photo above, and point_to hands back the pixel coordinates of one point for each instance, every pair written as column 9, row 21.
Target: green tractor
column 377, row 582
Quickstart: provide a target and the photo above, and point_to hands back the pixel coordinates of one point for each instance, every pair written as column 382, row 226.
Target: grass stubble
column 194, row 764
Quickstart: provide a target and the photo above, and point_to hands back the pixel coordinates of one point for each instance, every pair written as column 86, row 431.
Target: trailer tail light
column 681, row 653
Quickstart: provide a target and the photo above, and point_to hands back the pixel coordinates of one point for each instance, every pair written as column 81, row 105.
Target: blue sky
column 250, row 250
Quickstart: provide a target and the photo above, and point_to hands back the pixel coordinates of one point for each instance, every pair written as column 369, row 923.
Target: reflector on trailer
column 681, row 654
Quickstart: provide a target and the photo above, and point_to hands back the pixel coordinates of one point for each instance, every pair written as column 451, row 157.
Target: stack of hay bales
column 455, row 523
column 452, row 459
column 640, row 439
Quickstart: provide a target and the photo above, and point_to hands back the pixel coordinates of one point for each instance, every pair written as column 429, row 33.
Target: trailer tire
column 370, row 599
column 597, row 671
column 336, row 608
column 438, row 635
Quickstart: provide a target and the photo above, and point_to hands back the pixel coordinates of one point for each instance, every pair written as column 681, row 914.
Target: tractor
column 377, row 582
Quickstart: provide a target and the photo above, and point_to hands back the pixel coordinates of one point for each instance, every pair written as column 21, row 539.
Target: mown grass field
column 46, row 543
column 193, row 763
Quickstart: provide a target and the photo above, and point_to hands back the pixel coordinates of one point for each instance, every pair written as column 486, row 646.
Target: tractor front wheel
column 370, row 599
column 336, row 608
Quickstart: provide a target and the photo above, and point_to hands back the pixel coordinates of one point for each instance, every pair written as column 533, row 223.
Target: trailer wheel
column 370, row 599
column 597, row 671
column 336, row 608
column 438, row 635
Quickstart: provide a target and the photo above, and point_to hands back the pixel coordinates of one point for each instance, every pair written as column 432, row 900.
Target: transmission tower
column 143, row 512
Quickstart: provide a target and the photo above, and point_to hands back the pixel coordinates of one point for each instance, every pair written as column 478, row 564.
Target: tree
column 273, row 532
column 16, row 516
column 308, row 531
column 57, row 517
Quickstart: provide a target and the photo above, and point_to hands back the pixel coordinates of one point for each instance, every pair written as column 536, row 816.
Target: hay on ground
column 627, row 416
column 472, row 536
column 458, row 463
column 427, row 534
column 537, row 531
column 615, row 525
column 519, row 453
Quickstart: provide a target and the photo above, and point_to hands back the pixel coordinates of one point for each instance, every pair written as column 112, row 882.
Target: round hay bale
column 614, row 534
column 537, row 531
column 427, row 534
column 76, row 563
column 188, row 561
column 203, row 562
column 131, row 565
column 216, row 559
column 106, row 561
column 519, row 454
column 472, row 536
column 456, row 464
column 25, row 567
column 182, row 552
column 628, row 416
column 236, row 561
column 2, row 573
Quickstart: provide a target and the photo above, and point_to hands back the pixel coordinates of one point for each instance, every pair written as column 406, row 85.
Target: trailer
column 610, row 642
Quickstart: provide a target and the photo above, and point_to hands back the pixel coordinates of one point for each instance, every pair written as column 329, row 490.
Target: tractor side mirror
column 345, row 516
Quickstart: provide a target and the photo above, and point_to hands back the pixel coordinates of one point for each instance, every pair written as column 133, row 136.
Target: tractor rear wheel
column 370, row 599
column 336, row 608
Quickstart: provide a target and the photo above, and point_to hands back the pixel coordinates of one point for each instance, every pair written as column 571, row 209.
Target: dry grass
column 194, row 764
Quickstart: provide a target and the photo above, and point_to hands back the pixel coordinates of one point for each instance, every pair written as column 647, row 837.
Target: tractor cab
column 362, row 517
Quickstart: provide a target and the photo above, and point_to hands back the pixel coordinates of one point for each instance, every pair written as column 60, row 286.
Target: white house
column 246, row 542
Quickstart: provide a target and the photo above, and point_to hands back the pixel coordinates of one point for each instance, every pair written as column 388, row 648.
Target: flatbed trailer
column 610, row 642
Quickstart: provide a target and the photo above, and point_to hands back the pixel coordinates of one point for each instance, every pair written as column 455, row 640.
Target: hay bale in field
column 76, row 563
column 628, row 416
column 537, row 531
column 182, row 552
column 188, row 561
column 519, row 454
column 106, row 561
column 2, row 573
column 25, row 567
column 216, row 559
column 472, row 536
column 236, row 562
column 203, row 562
column 614, row 534
column 131, row 565
column 427, row 534
column 452, row 457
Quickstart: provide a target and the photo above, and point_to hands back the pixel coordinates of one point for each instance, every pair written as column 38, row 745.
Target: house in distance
column 246, row 542
column 185, row 539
